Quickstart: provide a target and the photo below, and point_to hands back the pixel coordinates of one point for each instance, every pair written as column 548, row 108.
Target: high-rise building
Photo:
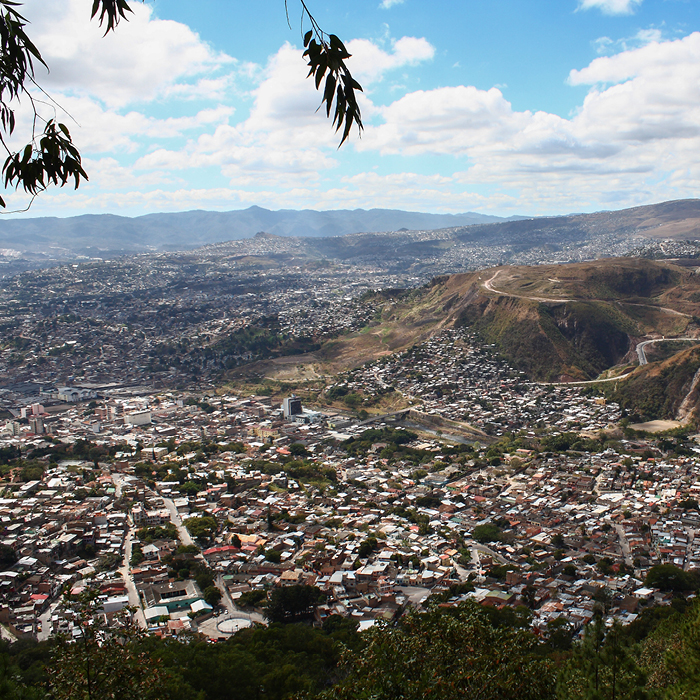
column 291, row 406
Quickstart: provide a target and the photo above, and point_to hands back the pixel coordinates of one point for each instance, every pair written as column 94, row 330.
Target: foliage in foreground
column 447, row 653
column 448, row 656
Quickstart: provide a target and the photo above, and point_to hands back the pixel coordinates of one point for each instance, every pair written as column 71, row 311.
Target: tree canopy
column 447, row 656
column 466, row 652
column 668, row 577
column 202, row 528
column 293, row 603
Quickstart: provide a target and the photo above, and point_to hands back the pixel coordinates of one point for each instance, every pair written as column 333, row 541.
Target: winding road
column 641, row 354
column 640, row 346
column 488, row 285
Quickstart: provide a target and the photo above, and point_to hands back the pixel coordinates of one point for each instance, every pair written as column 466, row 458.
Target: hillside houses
column 378, row 517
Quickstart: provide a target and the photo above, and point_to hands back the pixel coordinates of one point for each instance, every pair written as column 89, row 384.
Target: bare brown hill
column 557, row 323
column 669, row 389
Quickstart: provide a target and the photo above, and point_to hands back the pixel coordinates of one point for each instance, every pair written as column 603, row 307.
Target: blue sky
column 505, row 107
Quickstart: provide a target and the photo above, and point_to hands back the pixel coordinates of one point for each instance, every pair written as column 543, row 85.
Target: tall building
column 291, row 406
column 138, row 418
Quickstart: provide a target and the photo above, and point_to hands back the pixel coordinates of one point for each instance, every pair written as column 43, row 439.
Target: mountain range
column 385, row 235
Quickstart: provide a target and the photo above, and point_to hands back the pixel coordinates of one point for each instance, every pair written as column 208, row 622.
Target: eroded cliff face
column 663, row 390
column 597, row 333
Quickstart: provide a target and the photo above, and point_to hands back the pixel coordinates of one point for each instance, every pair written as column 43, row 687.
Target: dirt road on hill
column 488, row 285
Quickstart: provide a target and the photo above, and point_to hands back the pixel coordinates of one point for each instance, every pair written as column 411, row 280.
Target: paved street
column 125, row 571
column 177, row 521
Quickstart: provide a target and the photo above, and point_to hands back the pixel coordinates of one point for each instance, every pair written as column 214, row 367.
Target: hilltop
column 557, row 323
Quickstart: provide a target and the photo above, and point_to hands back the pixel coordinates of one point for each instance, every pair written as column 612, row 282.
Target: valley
column 245, row 417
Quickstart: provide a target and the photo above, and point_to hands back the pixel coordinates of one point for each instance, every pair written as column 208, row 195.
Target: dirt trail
column 488, row 285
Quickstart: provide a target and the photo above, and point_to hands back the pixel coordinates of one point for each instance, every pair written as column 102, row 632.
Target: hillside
column 662, row 390
column 679, row 220
column 557, row 323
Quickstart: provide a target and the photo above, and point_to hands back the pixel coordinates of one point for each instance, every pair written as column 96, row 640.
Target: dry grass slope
column 557, row 323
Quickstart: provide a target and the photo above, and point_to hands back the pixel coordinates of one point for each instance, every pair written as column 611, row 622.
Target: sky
column 529, row 107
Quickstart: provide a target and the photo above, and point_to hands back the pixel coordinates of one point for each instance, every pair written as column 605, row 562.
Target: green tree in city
column 293, row 603
column 202, row 528
column 212, row 596
column 105, row 661
column 668, row 577
column 602, row 667
column 683, row 657
column 298, row 450
column 487, row 532
column 7, row 556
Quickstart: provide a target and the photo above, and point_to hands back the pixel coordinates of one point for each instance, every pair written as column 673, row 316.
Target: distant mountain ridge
column 393, row 239
column 90, row 234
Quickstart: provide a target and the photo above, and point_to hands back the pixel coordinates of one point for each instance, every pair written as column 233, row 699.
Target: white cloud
column 636, row 133
column 285, row 139
column 605, row 45
column 445, row 120
column 97, row 129
column 369, row 62
column 655, row 61
column 140, row 61
column 108, row 174
column 611, row 7
column 386, row 4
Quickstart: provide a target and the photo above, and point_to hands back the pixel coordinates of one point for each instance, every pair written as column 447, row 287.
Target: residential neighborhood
column 191, row 509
